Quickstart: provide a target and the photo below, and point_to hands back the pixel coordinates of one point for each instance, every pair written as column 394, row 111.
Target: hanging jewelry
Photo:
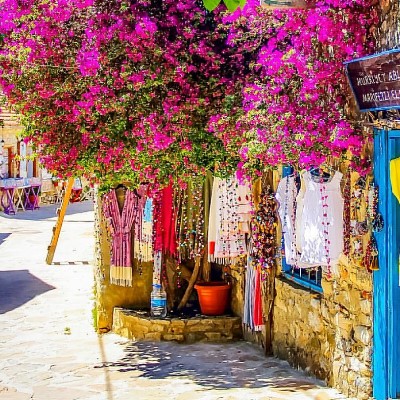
column 325, row 223
column 347, row 215
column 371, row 255
column 376, row 217
column 263, row 240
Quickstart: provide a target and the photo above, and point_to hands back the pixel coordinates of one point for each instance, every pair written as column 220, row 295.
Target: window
column 307, row 277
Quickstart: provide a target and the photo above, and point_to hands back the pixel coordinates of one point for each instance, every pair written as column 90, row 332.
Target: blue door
column 386, row 351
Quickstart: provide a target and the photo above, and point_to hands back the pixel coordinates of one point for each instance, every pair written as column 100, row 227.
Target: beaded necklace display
column 358, row 226
column 347, row 214
column 263, row 237
column 375, row 221
column 285, row 216
column 190, row 221
column 325, row 223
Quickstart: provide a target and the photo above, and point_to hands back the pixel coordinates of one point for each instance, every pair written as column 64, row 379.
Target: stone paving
column 49, row 350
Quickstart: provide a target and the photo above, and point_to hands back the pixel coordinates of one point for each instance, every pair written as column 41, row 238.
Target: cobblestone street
column 49, row 350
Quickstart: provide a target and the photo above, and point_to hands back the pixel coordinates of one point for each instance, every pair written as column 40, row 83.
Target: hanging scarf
column 213, row 223
column 207, row 192
column 248, row 306
column 164, row 222
column 257, row 311
column 230, row 215
column 120, row 225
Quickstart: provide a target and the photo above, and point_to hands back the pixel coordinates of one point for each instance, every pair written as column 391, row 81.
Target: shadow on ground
column 50, row 211
column 3, row 237
column 18, row 287
column 209, row 365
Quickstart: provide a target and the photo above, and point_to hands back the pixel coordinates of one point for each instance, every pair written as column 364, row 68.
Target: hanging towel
column 120, row 225
column 164, row 223
column 212, row 226
column 248, row 307
column 257, row 311
column 395, row 177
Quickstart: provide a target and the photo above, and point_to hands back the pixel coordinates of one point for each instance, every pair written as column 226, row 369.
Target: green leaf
column 211, row 5
column 232, row 5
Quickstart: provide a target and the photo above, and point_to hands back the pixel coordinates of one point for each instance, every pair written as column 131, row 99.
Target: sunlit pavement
column 49, row 350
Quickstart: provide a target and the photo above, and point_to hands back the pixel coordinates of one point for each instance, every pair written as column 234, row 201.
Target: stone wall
column 387, row 34
column 138, row 326
column 108, row 295
column 329, row 334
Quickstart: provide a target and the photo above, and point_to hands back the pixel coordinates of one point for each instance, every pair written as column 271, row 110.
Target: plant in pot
column 213, row 296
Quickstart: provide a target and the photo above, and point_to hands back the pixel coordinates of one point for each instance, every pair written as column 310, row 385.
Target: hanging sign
column 375, row 80
column 275, row 4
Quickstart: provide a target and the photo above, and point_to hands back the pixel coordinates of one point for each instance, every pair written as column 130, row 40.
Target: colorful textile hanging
column 252, row 311
column 263, row 238
column 248, row 307
column 230, row 214
column 257, row 311
column 145, row 234
column 190, row 220
column 143, row 229
column 120, row 224
column 165, row 222
column 321, row 227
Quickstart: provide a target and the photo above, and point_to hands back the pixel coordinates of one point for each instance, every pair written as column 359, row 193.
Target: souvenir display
column 190, row 220
column 165, row 222
column 120, row 224
column 347, row 214
column 321, row 227
column 252, row 310
column 373, row 215
column 371, row 255
column 263, row 239
column 286, row 196
column 229, row 220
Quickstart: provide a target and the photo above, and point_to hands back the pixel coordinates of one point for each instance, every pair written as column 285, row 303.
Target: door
column 386, row 351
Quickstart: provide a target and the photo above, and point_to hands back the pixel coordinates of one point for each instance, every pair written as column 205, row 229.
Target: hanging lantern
column 276, row 4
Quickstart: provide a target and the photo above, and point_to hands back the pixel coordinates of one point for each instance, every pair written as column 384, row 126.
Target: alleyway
column 49, row 350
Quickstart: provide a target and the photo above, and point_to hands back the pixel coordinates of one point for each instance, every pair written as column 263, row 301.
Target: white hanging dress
column 321, row 236
column 286, row 196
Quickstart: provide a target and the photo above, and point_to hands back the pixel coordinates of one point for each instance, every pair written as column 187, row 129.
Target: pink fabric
column 257, row 312
column 120, row 224
column 164, row 223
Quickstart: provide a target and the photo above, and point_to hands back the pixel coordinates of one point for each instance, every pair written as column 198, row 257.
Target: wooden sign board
column 375, row 80
column 281, row 4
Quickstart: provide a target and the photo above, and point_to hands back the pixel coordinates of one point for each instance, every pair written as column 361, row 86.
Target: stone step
column 139, row 326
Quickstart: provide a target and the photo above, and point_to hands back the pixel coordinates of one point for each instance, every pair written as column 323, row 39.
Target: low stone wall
column 329, row 334
column 136, row 326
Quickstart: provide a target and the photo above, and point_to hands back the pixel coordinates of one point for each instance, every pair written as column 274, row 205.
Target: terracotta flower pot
column 213, row 297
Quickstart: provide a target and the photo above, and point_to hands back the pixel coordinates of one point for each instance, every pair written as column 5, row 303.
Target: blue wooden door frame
column 386, row 292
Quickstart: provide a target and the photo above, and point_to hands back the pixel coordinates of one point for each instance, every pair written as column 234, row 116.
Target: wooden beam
column 57, row 228
column 192, row 281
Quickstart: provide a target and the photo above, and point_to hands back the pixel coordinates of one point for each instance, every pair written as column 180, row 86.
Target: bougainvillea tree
column 294, row 105
column 147, row 89
column 116, row 87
